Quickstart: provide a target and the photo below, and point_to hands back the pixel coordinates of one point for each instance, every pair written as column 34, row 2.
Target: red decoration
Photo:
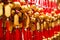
column 41, row 35
column 17, row 34
column 36, row 35
column 24, row 34
column 55, row 4
column 56, row 29
column 13, row 35
column 8, row 35
column 1, row 22
column 59, row 27
column 7, row 25
column 46, row 34
column 30, row 34
column 1, row 30
column 51, row 32
column 58, row 11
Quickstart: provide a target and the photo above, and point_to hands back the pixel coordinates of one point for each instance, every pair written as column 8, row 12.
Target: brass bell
column 16, row 4
column 33, row 19
column 36, row 14
column 16, row 19
column 1, row 9
column 7, row 10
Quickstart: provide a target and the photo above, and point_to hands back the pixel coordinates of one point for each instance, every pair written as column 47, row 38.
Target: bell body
column 7, row 10
column 1, row 9
column 38, row 26
column 16, row 19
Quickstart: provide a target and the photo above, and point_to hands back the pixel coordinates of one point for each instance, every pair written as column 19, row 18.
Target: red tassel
column 58, row 11
column 7, row 25
column 13, row 35
column 46, row 34
column 1, row 22
column 56, row 29
column 24, row 34
column 36, row 35
column 59, row 27
column 1, row 30
column 50, row 3
column 30, row 35
column 17, row 34
column 51, row 32
column 41, row 35
column 7, row 35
